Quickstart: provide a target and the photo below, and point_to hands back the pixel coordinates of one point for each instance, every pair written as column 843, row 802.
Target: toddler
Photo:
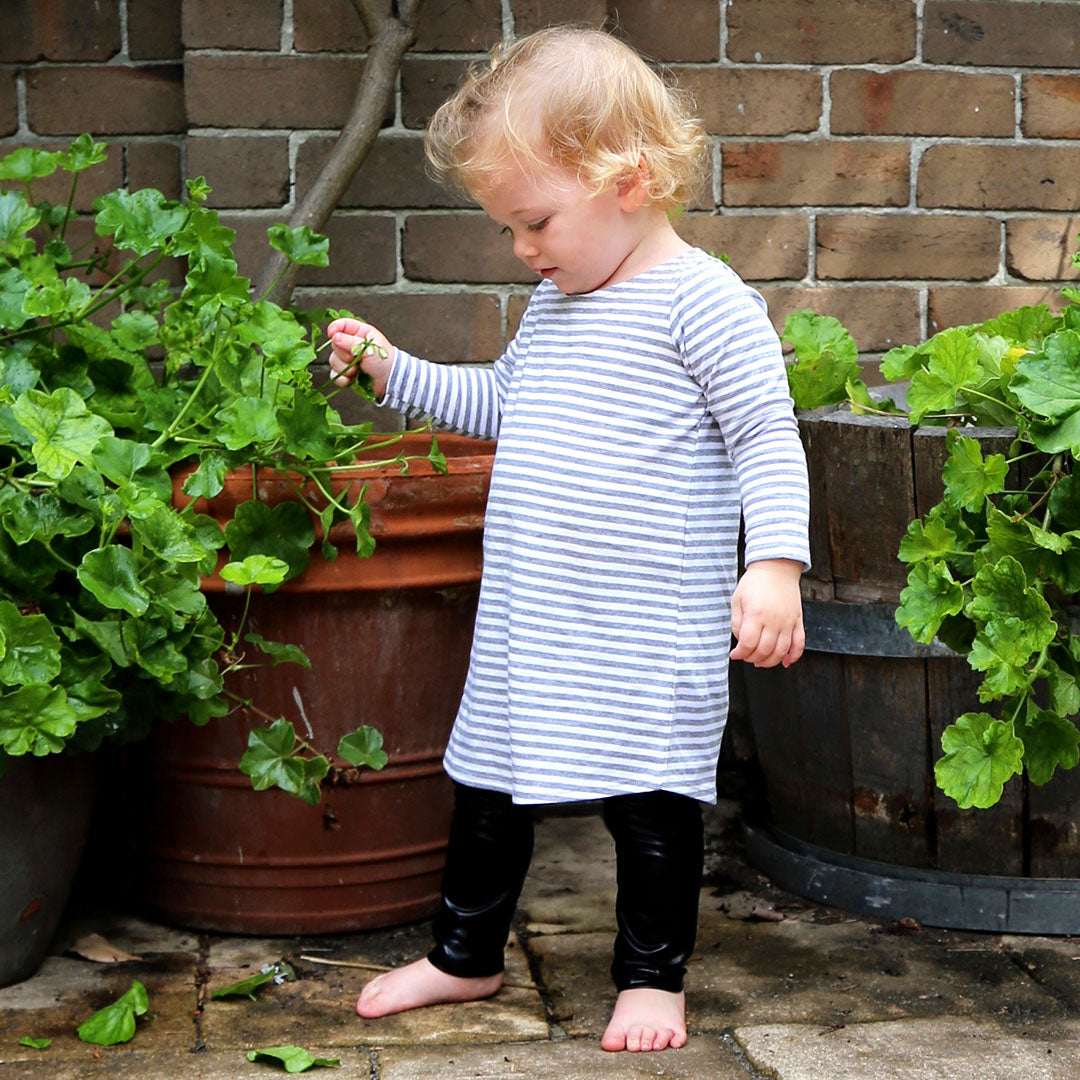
column 641, row 403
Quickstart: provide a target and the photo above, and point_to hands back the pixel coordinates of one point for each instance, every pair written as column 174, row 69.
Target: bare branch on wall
column 390, row 37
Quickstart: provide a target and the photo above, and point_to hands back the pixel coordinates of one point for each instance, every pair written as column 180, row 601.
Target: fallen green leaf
column 116, row 1022
column 35, row 1044
column 294, row 1058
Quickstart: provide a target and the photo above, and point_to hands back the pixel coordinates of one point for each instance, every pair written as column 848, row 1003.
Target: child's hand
column 377, row 359
column 766, row 614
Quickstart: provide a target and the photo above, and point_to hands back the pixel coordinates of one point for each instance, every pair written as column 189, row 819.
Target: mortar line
column 374, row 1065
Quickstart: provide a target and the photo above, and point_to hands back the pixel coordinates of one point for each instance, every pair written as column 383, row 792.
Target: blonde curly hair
column 577, row 98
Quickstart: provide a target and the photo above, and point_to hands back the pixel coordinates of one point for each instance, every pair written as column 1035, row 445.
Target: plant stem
column 174, row 426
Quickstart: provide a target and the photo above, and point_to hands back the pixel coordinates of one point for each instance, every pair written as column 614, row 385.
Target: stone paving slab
column 119, row 1063
column 942, row 1048
column 792, row 972
column 706, row 1058
column 320, row 1005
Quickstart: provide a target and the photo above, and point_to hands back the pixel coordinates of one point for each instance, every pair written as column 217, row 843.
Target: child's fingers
column 344, row 326
column 798, row 645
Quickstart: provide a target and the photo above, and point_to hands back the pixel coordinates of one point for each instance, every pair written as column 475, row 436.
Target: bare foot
column 646, row 1019
column 419, row 984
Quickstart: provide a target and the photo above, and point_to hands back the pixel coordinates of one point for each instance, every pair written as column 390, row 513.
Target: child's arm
column 465, row 397
column 766, row 614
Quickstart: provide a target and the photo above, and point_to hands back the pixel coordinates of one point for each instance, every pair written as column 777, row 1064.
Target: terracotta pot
column 389, row 640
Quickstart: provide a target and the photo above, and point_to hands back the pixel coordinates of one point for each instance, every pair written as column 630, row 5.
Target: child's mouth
column 548, row 271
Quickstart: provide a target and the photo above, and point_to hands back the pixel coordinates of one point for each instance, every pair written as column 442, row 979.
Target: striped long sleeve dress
column 632, row 423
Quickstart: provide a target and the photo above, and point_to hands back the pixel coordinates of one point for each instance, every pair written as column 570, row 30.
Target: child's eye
column 537, row 226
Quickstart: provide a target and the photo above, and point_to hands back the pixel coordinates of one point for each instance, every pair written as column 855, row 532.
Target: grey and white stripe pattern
column 631, row 424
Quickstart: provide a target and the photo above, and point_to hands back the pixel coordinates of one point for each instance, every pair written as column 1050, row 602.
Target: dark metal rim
column 932, row 898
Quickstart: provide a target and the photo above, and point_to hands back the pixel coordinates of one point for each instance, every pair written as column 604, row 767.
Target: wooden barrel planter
column 389, row 639
column 847, row 738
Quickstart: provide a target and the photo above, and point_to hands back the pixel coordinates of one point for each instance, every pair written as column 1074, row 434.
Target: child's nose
column 524, row 248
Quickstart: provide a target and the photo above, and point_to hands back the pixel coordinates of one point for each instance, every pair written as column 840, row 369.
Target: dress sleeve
column 467, row 398
column 730, row 348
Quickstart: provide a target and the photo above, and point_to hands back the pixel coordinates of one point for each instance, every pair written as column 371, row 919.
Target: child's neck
column 659, row 242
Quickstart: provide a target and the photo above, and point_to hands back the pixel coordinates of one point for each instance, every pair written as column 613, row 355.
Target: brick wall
column 902, row 164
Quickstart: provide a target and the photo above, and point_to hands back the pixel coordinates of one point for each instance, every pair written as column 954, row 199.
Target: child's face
column 561, row 230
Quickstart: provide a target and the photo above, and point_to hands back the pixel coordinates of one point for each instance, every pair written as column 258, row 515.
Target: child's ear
column 633, row 188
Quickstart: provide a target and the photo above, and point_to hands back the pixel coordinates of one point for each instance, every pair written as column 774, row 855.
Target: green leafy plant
column 122, row 357
column 994, row 568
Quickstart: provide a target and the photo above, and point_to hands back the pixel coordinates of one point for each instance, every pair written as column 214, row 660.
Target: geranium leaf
column 82, row 154
column 142, row 221
column 31, row 649
column 111, row 574
column 968, row 477
column 1048, row 382
column 270, row 761
column 280, row 652
column 981, row 754
column 1001, row 651
column 363, row 747
column 256, row 570
column 826, row 357
column 1001, row 591
column 36, row 720
column 64, row 431
column 294, row 1058
column 931, row 594
column 931, row 539
column 284, row 531
column 300, row 245
column 29, row 163
column 1049, row 741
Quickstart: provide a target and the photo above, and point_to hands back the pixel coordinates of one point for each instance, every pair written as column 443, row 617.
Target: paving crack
column 525, row 936
column 727, row 1036
column 202, row 980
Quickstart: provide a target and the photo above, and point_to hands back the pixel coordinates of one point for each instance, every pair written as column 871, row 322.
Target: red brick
column 366, row 243
column 242, row 170
column 1001, row 33
column 742, row 101
column 459, row 247
column 910, row 103
column 877, row 246
column 648, row 24
column 960, row 305
column 105, row 100
column 60, row 30
column 821, row 31
column 236, row 90
column 334, row 26
column 425, row 85
column 153, row 30
column 761, row 247
column 530, row 15
column 454, row 327
column 1041, row 249
column 9, row 103
column 232, row 24
column 392, row 175
column 1051, row 106
column 815, row 173
column 363, row 251
column 876, row 317
column 156, row 165
column 1000, row 177
column 108, row 176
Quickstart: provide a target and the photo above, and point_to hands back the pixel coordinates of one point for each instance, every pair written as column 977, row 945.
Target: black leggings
column 659, row 848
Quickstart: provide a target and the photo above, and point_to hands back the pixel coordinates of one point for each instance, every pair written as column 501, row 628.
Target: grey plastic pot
column 45, row 808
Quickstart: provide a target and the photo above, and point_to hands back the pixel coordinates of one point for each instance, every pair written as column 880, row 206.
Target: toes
column 633, row 1039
